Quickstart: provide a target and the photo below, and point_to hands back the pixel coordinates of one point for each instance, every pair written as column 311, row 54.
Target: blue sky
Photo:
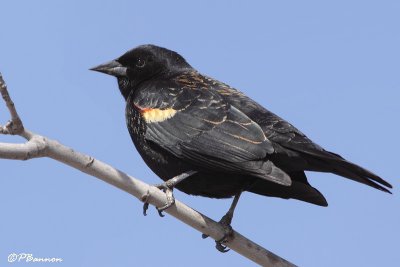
column 329, row 67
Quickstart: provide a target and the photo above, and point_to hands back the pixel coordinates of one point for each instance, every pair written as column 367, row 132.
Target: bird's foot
column 167, row 189
column 228, row 233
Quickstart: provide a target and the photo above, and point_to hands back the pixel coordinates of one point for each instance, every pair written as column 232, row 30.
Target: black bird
column 209, row 139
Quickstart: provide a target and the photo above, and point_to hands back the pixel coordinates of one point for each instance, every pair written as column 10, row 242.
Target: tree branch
column 14, row 126
column 40, row 146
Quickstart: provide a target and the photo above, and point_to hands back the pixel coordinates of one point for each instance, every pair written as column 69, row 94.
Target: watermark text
column 30, row 258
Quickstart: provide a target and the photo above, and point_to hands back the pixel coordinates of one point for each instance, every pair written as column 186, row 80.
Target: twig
column 40, row 146
column 14, row 126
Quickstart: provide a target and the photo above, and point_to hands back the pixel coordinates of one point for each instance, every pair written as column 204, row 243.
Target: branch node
column 41, row 146
column 90, row 162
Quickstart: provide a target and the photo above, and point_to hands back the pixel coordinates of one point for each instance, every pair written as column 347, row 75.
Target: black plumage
column 181, row 120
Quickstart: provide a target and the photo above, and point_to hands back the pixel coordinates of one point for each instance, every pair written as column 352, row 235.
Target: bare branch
column 39, row 146
column 14, row 126
column 34, row 148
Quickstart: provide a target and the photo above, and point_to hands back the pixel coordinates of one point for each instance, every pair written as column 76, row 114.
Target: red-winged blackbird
column 214, row 140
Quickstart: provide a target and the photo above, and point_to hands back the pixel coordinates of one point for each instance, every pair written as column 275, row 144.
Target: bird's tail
column 330, row 162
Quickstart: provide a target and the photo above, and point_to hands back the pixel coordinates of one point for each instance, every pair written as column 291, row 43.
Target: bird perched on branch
column 206, row 138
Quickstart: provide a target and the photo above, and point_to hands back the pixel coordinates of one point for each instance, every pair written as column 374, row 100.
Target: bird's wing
column 200, row 127
column 276, row 129
column 294, row 148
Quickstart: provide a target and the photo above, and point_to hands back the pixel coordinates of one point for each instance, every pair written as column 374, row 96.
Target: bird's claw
column 228, row 234
column 219, row 244
column 145, row 208
column 145, row 199
column 220, row 247
column 170, row 199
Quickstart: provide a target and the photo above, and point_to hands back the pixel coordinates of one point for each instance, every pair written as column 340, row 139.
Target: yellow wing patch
column 157, row 115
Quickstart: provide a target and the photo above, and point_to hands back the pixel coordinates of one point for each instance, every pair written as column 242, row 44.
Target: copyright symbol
column 12, row 257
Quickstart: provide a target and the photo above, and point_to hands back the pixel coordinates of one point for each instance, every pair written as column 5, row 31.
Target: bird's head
column 143, row 63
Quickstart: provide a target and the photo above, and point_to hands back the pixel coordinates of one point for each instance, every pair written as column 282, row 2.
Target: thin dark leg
column 226, row 221
column 167, row 187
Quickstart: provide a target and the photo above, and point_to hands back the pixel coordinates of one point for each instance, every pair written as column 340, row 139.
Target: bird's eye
column 140, row 63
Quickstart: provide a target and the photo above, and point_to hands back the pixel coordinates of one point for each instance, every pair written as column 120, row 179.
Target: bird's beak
column 113, row 68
